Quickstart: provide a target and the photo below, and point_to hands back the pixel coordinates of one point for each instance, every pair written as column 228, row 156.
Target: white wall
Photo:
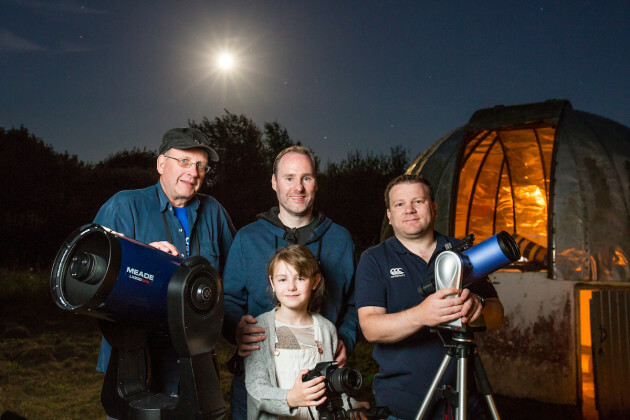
column 534, row 354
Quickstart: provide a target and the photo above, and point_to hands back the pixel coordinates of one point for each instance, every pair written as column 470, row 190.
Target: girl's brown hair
column 302, row 260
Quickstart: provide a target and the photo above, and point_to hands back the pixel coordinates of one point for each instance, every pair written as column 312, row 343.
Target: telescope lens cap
column 202, row 294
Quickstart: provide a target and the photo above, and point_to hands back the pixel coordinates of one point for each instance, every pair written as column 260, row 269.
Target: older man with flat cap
column 173, row 217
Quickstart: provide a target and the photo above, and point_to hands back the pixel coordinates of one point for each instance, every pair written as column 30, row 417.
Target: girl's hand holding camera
column 307, row 394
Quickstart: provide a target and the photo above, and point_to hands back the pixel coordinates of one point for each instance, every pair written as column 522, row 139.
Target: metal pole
column 436, row 380
column 462, row 375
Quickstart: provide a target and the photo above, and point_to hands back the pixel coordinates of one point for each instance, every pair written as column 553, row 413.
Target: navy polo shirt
column 388, row 276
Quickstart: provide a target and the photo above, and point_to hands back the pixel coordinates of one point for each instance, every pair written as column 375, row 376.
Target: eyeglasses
column 187, row 163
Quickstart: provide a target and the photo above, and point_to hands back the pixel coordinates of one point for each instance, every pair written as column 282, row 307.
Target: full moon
column 226, row 61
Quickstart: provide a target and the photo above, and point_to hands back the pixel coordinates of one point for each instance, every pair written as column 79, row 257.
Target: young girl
column 297, row 339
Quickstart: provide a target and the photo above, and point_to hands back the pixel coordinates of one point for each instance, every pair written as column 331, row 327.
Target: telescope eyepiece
column 508, row 246
column 87, row 267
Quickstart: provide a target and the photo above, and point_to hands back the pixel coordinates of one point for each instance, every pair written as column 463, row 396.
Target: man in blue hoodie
column 245, row 282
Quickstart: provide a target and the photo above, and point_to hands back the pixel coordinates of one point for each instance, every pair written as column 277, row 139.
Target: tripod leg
column 436, row 380
column 462, row 391
column 484, row 385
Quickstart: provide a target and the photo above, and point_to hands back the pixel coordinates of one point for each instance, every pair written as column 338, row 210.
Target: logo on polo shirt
column 396, row 272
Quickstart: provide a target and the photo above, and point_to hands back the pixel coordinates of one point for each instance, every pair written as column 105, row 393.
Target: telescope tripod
column 462, row 346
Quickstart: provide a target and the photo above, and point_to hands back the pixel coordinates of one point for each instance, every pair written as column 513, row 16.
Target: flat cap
column 187, row 138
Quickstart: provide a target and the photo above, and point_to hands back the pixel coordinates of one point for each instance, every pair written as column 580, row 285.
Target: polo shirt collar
column 399, row 248
column 164, row 202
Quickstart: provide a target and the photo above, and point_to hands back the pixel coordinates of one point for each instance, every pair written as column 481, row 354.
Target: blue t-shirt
column 388, row 276
column 182, row 215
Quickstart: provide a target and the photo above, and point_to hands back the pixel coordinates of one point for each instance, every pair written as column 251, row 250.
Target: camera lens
column 345, row 380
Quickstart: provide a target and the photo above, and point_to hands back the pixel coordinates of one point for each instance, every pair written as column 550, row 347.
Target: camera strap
column 169, row 237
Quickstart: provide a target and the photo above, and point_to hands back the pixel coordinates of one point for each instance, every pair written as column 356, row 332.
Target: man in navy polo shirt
column 395, row 316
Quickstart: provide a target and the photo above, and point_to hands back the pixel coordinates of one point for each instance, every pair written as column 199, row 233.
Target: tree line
column 46, row 195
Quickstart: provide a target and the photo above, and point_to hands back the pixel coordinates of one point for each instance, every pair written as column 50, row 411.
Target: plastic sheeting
column 504, row 183
column 554, row 177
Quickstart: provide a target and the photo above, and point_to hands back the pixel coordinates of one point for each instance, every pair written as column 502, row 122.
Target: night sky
column 95, row 77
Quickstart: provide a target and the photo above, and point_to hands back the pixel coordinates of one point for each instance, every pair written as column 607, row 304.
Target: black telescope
column 138, row 293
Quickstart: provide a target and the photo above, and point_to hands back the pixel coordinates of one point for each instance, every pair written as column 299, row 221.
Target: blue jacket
column 246, row 285
column 139, row 214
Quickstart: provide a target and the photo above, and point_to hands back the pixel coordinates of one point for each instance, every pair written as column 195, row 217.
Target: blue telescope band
column 490, row 255
column 109, row 276
column 141, row 290
column 104, row 274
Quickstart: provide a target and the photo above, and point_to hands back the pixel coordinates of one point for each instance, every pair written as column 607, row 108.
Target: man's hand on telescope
column 165, row 246
column 381, row 327
column 247, row 336
column 441, row 307
column 472, row 307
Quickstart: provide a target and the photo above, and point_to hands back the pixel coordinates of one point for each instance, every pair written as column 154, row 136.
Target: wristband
column 482, row 300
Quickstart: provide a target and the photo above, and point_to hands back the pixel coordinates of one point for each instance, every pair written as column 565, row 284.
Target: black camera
column 338, row 381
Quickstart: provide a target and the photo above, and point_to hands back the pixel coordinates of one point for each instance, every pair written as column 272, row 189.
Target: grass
column 48, row 356
column 48, row 359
